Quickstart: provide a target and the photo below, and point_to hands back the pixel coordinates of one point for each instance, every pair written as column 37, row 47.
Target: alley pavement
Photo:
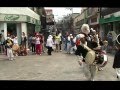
column 60, row 66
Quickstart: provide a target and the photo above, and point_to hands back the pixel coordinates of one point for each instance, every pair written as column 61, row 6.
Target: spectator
column 33, row 44
column 2, row 40
column 57, row 41
column 49, row 44
column 37, row 44
column 116, row 63
column 23, row 40
column 110, row 42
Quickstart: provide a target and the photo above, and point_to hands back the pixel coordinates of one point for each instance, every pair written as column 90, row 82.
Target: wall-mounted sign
column 11, row 17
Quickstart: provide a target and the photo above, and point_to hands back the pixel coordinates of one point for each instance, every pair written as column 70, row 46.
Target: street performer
column 85, row 54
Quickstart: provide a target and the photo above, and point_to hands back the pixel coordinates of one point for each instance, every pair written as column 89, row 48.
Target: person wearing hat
column 84, row 51
column 49, row 44
column 9, row 44
column 38, row 45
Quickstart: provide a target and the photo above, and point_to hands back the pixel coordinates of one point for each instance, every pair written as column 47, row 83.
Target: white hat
column 85, row 28
column 50, row 36
column 70, row 34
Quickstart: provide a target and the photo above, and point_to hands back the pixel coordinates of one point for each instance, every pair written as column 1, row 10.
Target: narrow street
column 59, row 66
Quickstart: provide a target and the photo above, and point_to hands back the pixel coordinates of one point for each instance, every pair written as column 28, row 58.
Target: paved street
column 59, row 66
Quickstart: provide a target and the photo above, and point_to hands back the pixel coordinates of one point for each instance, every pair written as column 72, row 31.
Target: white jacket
column 49, row 42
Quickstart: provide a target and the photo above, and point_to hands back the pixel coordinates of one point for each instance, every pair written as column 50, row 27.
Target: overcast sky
column 61, row 12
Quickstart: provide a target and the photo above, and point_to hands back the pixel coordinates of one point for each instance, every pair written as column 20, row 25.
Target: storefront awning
column 110, row 19
column 19, row 11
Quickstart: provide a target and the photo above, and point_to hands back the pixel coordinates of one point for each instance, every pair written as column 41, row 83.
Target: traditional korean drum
column 90, row 56
column 15, row 47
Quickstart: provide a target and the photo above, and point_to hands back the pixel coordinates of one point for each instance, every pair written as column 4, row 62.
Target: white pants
column 89, row 71
column 10, row 53
column 118, row 72
column 68, row 47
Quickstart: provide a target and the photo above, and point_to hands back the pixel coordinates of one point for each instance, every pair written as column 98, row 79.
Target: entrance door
column 11, row 29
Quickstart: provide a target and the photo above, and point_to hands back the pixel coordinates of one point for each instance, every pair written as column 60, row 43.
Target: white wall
column 18, row 28
column 1, row 26
column 78, row 18
column 19, row 10
column 116, row 14
column 5, row 30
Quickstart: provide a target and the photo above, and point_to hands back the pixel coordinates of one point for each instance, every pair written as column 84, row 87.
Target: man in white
column 49, row 44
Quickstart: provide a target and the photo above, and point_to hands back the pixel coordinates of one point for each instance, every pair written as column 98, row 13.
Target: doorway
column 11, row 29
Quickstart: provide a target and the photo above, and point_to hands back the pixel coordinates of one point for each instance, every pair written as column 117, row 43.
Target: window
column 93, row 20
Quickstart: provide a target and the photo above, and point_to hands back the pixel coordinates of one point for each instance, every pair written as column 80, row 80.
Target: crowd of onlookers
column 37, row 44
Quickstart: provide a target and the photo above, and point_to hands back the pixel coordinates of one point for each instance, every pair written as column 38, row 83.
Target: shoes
column 11, row 59
column 100, row 69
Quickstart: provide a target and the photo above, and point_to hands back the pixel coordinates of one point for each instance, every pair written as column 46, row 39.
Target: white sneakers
column 11, row 59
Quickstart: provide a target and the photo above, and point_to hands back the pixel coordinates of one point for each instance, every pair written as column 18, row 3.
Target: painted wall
column 5, row 30
column 19, row 10
column 19, row 33
column 1, row 26
column 116, row 14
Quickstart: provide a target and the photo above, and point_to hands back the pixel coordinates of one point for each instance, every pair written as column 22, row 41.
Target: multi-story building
column 15, row 20
column 79, row 20
column 109, row 21
column 93, row 17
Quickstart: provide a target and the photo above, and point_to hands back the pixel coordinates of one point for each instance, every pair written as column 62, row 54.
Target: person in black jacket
column 116, row 63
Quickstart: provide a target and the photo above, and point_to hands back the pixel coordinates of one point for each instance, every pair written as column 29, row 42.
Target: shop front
column 16, row 22
column 109, row 24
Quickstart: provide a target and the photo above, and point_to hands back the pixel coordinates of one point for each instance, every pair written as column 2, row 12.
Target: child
column 116, row 63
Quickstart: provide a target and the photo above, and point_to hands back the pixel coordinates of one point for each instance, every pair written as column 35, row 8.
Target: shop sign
column 11, row 17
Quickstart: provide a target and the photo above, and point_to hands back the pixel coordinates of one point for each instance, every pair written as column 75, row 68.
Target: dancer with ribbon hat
column 85, row 54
